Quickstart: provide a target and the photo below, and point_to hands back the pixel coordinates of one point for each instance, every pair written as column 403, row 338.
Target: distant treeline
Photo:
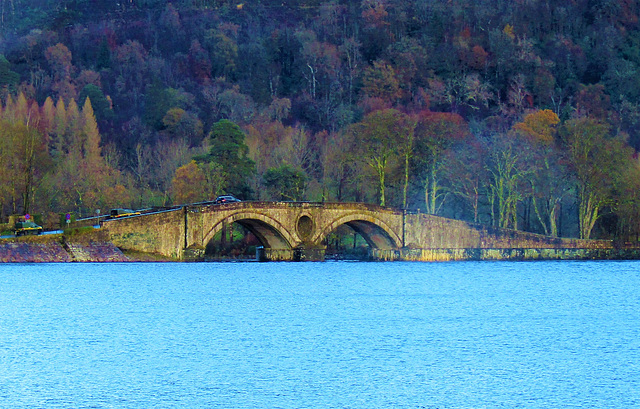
column 516, row 114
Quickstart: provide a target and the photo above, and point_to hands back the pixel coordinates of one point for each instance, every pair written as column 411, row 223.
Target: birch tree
column 435, row 133
column 597, row 162
column 380, row 135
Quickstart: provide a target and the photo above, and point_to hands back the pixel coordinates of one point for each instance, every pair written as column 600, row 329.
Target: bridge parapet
column 159, row 232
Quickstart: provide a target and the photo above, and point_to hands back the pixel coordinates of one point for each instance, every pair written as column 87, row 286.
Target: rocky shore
column 60, row 248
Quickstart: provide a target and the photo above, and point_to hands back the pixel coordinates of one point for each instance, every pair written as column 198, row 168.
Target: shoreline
column 66, row 250
column 95, row 246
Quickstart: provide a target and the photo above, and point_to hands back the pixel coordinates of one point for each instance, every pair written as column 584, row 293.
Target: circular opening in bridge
column 305, row 227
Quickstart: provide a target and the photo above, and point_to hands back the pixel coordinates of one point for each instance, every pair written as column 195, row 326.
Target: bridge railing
column 287, row 204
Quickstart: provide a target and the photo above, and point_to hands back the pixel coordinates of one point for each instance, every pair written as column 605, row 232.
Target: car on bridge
column 226, row 199
column 117, row 213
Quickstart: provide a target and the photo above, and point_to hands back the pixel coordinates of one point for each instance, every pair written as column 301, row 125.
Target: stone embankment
column 507, row 254
column 92, row 247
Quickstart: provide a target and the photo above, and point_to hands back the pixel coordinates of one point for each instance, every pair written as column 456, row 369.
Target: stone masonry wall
column 160, row 233
column 504, row 254
column 183, row 233
column 433, row 232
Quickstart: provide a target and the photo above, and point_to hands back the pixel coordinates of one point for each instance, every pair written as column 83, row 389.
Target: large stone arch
column 375, row 232
column 270, row 232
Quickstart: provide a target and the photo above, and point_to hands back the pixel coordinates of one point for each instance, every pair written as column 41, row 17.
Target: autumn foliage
column 516, row 114
column 539, row 126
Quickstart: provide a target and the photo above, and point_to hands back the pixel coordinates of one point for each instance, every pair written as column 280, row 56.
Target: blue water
column 320, row 335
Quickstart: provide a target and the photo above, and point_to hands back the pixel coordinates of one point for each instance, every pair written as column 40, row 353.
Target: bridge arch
column 374, row 231
column 269, row 231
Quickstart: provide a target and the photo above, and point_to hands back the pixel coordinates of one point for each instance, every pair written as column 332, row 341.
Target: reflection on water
column 320, row 335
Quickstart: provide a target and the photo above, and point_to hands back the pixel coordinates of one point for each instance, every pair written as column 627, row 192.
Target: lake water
column 320, row 335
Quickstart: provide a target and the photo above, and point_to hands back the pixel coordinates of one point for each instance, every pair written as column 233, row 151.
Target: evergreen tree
column 90, row 134
column 229, row 151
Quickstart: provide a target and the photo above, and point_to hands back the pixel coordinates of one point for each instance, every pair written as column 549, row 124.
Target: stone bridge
column 298, row 231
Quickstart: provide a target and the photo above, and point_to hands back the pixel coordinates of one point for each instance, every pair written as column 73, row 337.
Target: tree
column 155, row 165
column 23, row 152
column 214, row 175
column 380, row 134
column 81, row 179
column 460, row 92
column 466, row 174
column 11, row 169
column 231, row 104
column 47, row 118
column 223, row 51
column 380, row 81
column 100, row 103
column 538, row 126
column 544, row 84
column 352, row 59
column 59, row 58
column 90, row 134
column 58, row 130
column 435, row 133
column 341, row 173
column 179, row 123
column 506, row 174
column 628, row 203
column 8, row 78
column 72, row 140
column 593, row 102
column 322, row 65
column 405, row 150
column 547, row 175
column 199, row 62
column 6, row 171
column 376, row 34
column 188, row 184
column 228, row 149
column 409, row 60
column 597, row 162
column 131, row 63
column 285, row 183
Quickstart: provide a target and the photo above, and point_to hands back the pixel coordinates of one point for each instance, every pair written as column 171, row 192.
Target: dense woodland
column 519, row 114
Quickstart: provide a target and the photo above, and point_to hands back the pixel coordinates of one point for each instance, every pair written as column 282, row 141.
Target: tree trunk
column 406, row 180
column 588, row 212
column 381, row 175
column 431, row 189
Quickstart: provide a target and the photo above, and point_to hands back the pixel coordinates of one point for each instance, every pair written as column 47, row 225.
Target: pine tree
column 47, row 120
column 72, row 139
column 90, row 134
column 21, row 109
column 8, row 112
column 57, row 143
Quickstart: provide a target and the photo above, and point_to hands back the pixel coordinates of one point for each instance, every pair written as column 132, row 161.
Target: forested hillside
column 521, row 114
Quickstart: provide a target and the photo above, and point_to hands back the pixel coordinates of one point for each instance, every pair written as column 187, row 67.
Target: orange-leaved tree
column 188, row 184
column 547, row 175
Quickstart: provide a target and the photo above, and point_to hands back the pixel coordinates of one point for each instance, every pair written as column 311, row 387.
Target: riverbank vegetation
column 515, row 114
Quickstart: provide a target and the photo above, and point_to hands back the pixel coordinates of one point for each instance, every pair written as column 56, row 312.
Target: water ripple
column 311, row 335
